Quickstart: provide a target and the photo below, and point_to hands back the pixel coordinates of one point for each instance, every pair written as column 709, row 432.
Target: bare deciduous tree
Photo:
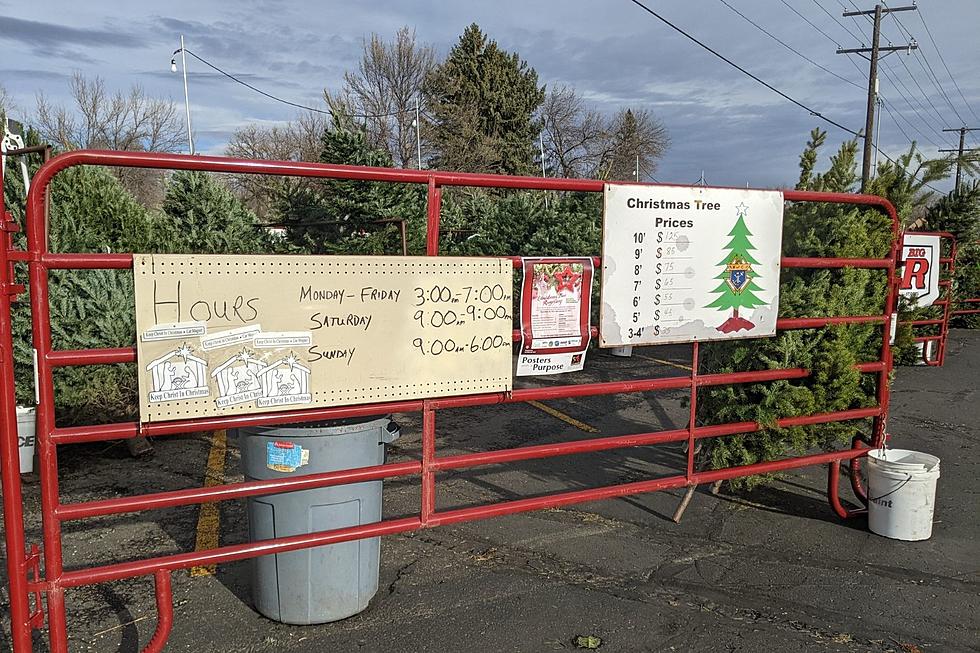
column 635, row 141
column 297, row 140
column 574, row 135
column 6, row 102
column 100, row 119
column 581, row 142
column 116, row 121
column 387, row 84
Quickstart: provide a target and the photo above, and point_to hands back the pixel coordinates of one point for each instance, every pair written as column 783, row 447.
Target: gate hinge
column 33, row 564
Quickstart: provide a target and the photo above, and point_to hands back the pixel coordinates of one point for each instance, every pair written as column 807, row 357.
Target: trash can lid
column 322, row 427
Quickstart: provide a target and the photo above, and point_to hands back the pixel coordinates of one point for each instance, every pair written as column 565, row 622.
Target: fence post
column 13, row 505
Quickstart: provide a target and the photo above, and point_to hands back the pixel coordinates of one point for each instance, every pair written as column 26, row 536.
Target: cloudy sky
column 721, row 122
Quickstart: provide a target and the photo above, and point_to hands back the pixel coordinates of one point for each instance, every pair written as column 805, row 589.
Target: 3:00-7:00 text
column 445, row 294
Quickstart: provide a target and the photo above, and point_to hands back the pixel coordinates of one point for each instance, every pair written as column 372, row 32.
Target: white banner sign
column 920, row 269
column 684, row 263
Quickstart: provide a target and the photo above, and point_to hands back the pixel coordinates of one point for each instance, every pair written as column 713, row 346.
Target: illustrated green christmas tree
column 738, row 277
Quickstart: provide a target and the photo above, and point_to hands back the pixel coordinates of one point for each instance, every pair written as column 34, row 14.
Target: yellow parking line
column 679, row 366
column 209, row 518
column 563, row 417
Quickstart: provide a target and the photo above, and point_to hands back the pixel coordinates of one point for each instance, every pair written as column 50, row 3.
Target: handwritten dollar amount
column 448, row 317
column 439, row 346
column 466, row 294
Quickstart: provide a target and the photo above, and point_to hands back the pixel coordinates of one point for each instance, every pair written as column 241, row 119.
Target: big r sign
column 920, row 269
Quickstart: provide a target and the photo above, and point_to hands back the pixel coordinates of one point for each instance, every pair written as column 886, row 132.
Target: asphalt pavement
column 771, row 569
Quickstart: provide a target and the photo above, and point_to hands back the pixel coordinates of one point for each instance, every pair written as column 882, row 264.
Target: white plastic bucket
column 920, row 347
column 901, row 493
column 623, row 352
column 26, row 438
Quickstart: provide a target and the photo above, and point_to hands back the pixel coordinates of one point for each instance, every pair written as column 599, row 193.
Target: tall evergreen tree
column 483, row 100
column 200, row 215
column 819, row 230
column 341, row 215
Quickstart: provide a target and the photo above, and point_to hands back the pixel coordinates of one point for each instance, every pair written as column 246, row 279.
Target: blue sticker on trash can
column 283, row 456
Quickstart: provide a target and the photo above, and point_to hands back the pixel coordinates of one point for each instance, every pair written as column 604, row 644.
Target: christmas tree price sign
column 682, row 263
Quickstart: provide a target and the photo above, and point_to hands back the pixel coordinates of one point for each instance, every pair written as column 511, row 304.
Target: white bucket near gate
column 901, row 493
column 923, row 352
column 623, row 352
column 26, row 438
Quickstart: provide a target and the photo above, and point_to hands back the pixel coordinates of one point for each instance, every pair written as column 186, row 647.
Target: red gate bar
column 40, row 261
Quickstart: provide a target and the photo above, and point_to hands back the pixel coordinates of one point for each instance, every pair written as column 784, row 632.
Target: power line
column 766, row 84
column 931, row 73
column 888, row 105
column 292, row 104
column 874, row 54
column 850, row 58
column 787, row 46
column 922, row 91
column 859, row 39
column 884, row 105
column 743, row 70
column 908, row 96
column 939, row 52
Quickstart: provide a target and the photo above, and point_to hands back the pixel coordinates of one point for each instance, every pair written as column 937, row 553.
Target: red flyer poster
column 556, row 300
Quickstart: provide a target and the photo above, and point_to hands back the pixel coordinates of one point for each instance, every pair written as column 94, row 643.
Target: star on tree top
column 741, row 208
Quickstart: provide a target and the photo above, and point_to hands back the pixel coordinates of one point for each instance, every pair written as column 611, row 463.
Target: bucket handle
column 903, row 484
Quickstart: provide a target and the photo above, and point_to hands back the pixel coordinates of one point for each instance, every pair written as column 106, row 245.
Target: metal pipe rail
column 40, row 262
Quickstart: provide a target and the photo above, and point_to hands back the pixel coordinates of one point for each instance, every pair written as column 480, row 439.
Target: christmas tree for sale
column 738, row 277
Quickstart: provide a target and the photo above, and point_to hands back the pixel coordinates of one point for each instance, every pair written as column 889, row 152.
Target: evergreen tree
column 90, row 212
column 341, row 215
column 819, row 230
column 200, row 215
column 738, row 278
column 483, row 100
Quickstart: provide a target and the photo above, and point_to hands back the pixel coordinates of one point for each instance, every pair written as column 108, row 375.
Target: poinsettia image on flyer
column 557, row 279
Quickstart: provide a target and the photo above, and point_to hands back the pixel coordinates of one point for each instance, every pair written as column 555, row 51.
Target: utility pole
column 418, row 130
column 543, row 173
column 187, row 101
column 874, row 51
column 959, row 151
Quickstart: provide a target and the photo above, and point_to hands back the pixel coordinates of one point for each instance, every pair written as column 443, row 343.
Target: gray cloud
column 50, row 35
column 611, row 52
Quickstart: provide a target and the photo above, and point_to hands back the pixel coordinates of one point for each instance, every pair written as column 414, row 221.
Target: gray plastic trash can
column 330, row 582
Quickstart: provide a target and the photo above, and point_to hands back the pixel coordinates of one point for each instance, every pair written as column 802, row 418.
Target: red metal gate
column 966, row 305
column 23, row 569
column 948, row 263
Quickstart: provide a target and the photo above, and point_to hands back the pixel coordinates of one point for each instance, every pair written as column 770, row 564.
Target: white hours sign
column 682, row 263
